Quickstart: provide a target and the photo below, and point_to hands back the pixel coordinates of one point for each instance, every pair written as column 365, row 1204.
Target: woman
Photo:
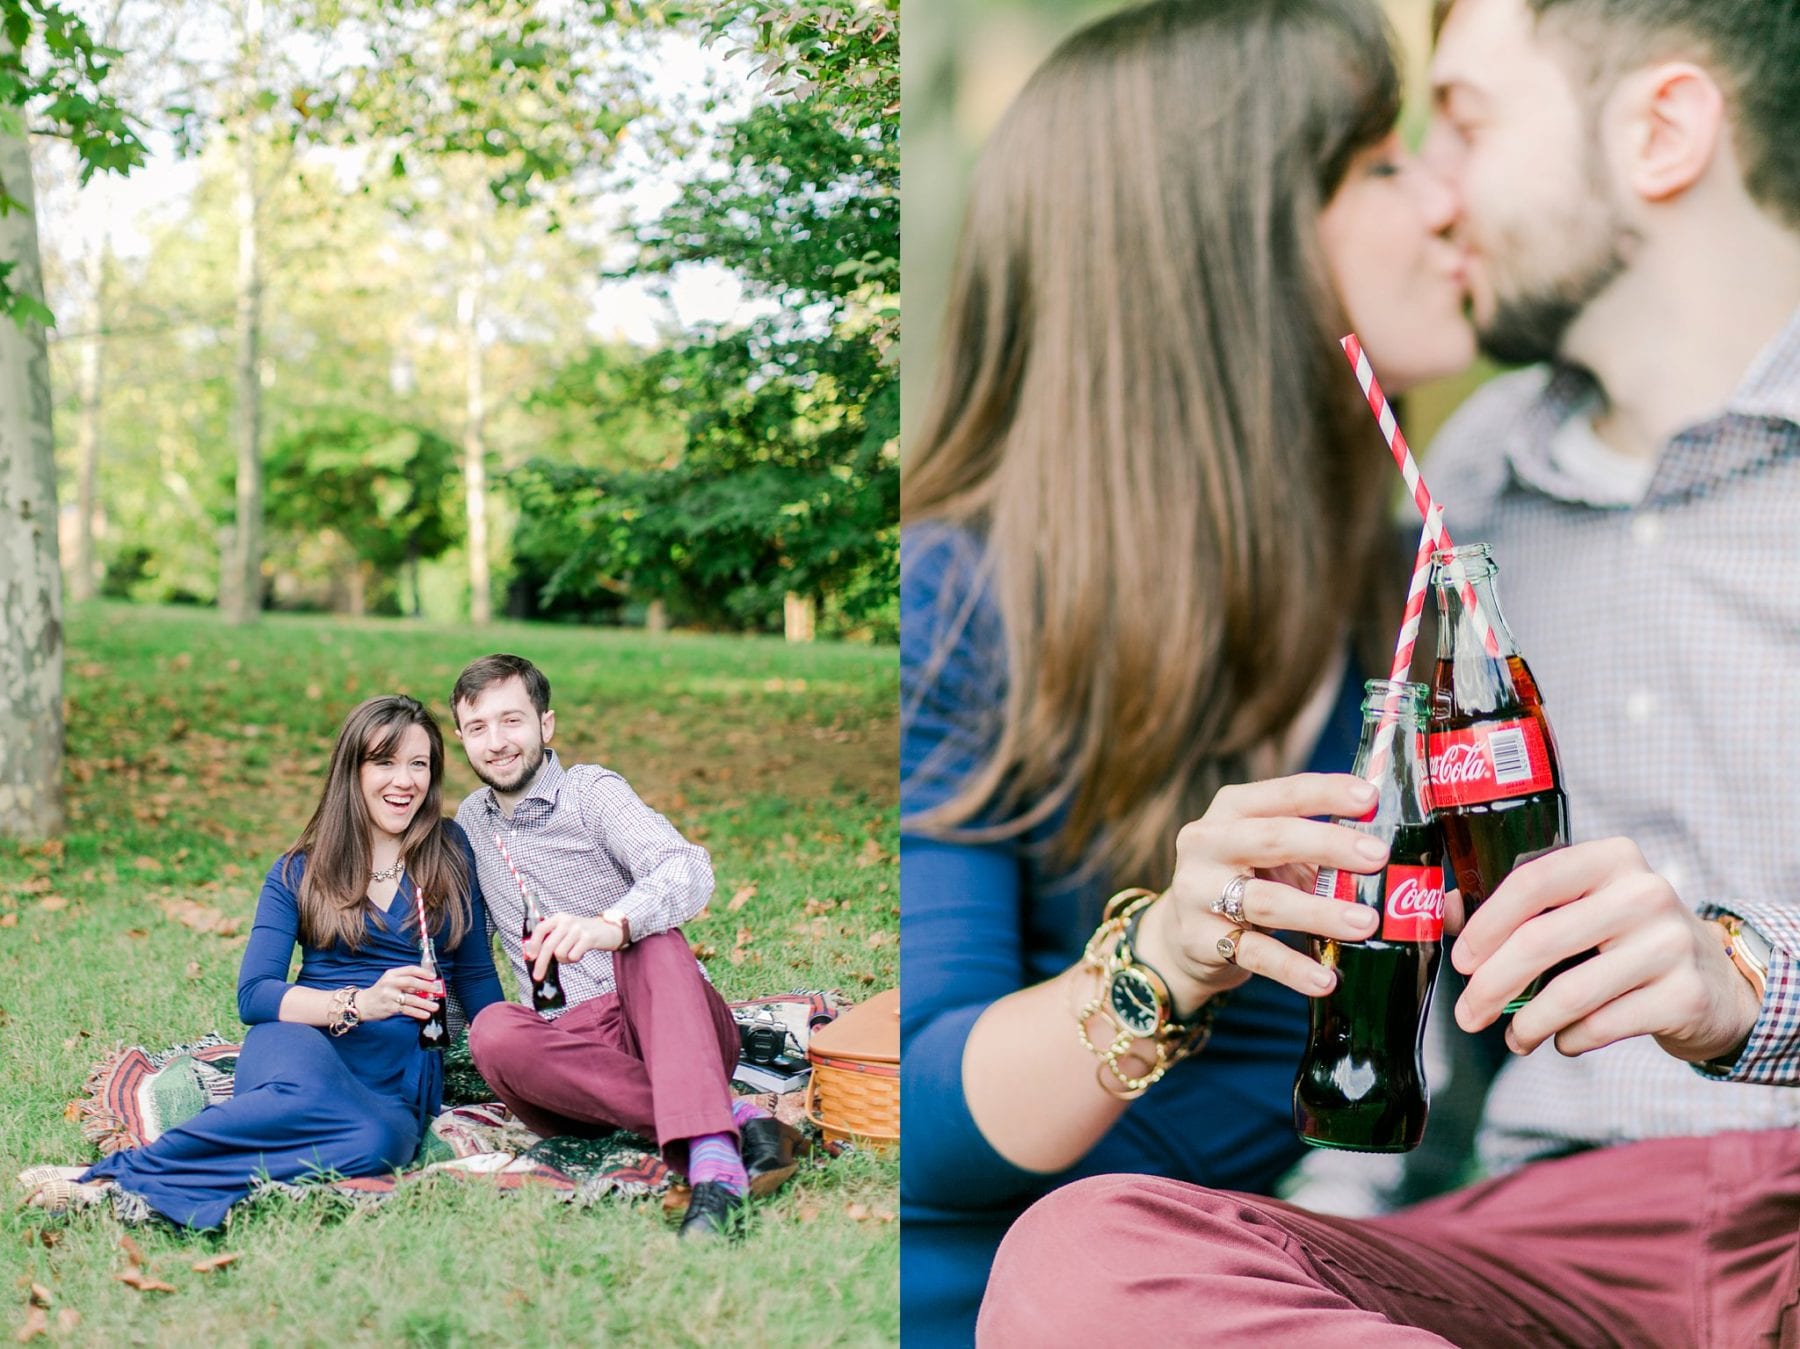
column 331, row 1079
column 1145, row 544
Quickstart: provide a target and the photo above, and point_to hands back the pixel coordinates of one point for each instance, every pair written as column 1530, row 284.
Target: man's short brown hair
column 478, row 675
column 1751, row 46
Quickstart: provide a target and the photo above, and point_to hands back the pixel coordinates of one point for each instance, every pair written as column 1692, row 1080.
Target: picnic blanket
column 133, row 1095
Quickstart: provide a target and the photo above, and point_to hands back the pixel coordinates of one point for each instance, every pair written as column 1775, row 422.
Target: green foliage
column 387, row 488
column 52, row 73
column 788, row 478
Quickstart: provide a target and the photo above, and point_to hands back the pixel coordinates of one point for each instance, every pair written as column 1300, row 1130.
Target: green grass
column 195, row 754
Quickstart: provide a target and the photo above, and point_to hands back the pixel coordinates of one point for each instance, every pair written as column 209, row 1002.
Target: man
column 643, row 1041
column 1631, row 211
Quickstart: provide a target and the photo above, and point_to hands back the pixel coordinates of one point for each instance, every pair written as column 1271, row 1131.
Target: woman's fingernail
column 1372, row 848
column 1366, row 918
column 1324, row 980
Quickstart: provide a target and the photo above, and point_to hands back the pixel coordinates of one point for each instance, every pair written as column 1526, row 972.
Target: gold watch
column 1135, row 998
column 617, row 918
column 1749, row 950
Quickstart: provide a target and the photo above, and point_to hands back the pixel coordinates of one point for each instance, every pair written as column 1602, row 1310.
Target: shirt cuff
column 1771, row 1056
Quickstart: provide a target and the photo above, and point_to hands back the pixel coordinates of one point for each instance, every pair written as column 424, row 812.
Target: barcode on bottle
column 1326, row 883
column 1511, row 761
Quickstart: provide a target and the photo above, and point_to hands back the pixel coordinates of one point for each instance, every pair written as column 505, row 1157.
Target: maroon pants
column 654, row 1057
column 1655, row 1245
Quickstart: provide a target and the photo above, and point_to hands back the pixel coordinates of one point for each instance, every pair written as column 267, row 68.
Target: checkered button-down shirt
column 1666, row 638
column 584, row 843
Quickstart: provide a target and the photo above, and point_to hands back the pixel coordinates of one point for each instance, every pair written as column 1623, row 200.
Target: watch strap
column 1740, row 941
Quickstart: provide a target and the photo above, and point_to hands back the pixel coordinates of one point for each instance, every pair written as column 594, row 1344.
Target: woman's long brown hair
column 337, row 843
column 1143, row 415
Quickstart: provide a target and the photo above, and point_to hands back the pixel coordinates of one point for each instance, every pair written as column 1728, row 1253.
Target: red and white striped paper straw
column 506, row 857
column 1415, row 484
column 1403, row 655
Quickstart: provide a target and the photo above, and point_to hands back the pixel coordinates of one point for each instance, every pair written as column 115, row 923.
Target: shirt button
column 1646, row 529
column 1639, row 705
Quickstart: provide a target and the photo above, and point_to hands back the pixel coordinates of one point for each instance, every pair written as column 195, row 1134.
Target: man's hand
column 567, row 937
column 1659, row 970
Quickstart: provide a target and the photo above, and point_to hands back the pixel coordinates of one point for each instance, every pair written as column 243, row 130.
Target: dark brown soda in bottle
column 546, row 993
column 1361, row 1082
column 1496, row 784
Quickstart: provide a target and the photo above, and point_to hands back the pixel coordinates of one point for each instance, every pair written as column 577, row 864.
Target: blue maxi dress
column 307, row 1102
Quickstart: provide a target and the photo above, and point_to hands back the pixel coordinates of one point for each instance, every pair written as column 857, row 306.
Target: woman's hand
column 1260, row 829
column 405, row 990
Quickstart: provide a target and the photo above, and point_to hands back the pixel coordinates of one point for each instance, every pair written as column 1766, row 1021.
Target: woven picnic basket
column 854, row 1092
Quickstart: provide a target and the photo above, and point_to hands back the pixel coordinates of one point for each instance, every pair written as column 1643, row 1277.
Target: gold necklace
column 392, row 873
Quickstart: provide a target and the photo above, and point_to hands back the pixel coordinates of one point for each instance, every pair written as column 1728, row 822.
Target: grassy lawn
column 195, row 754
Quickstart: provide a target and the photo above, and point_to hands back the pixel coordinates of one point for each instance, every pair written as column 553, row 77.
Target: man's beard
column 1530, row 326
column 529, row 763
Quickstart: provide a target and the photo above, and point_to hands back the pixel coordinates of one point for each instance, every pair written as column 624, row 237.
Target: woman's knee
column 376, row 1145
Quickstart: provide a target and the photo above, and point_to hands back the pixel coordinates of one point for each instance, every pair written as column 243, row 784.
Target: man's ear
column 549, row 724
column 1674, row 120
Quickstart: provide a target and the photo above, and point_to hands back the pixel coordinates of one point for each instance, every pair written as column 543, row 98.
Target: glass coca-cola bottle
column 547, row 993
column 1495, row 782
column 434, row 1031
column 1361, row 1083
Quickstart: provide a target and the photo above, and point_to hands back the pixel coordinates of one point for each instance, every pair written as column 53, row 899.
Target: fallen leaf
column 136, row 1278
column 147, row 863
column 40, row 1295
column 808, row 1213
column 36, row 1323
column 72, row 1111
column 37, row 885
column 193, row 969
column 314, row 692
column 858, row 1212
column 133, row 1251
column 815, row 907
column 871, row 854
column 67, row 1319
column 52, row 903
column 877, row 941
column 9, row 920
column 51, row 1237
column 741, row 898
column 212, row 1262
column 702, row 951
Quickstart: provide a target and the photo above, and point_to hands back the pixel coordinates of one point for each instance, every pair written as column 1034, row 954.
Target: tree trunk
column 84, row 576
column 656, row 616
column 481, row 606
column 797, row 612
column 245, row 561
column 31, row 633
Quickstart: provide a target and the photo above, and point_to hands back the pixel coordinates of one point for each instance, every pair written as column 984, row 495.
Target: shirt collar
column 546, row 788
column 1768, row 392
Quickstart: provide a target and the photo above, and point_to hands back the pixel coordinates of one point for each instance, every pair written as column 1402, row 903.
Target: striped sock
column 743, row 1110
column 715, row 1158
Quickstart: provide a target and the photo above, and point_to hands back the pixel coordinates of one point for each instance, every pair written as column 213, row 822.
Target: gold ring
column 1227, row 947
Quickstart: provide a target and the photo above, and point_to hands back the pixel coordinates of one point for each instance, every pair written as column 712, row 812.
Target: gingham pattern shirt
column 1666, row 638
column 585, row 843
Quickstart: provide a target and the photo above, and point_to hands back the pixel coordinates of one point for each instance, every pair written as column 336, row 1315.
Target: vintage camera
column 764, row 1041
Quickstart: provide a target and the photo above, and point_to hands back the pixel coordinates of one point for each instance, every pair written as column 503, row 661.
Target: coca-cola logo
column 1460, row 763
column 1413, row 898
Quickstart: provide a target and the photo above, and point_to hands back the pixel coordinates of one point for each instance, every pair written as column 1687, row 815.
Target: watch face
column 1134, row 1003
